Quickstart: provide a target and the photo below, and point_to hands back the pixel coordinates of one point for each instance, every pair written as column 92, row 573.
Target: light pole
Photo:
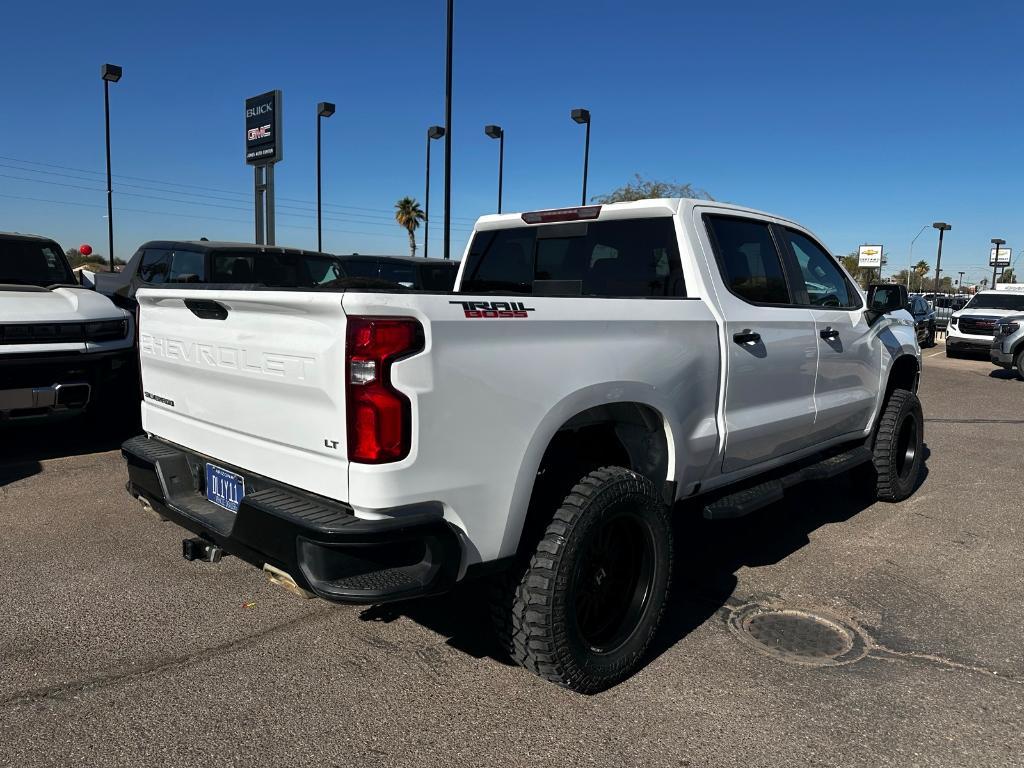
column 323, row 109
column 433, row 132
column 997, row 242
column 448, row 134
column 910, row 264
column 943, row 227
column 960, row 283
column 110, row 73
column 581, row 117
column 496, row 132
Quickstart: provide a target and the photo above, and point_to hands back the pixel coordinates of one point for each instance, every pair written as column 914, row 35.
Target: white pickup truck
column 594, row 366
column 63, row 348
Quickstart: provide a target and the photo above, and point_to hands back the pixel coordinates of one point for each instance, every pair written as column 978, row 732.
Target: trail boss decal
column 500, row 310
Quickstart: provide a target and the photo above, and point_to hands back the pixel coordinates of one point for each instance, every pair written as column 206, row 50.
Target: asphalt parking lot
column 116, row 651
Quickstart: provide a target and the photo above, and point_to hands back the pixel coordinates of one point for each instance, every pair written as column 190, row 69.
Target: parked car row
column 65, row 348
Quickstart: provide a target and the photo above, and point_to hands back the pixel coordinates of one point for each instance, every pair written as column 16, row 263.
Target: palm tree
column 921, row 269
column 408, row 214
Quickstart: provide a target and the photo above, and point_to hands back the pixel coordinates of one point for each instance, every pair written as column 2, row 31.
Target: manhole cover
column 798, row 635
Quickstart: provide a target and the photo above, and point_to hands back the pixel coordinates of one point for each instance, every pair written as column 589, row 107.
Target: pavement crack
column 104, row 680
column 877, row 651
column 937, row 420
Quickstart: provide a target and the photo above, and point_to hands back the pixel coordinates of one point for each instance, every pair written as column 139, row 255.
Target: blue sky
column 863, row 121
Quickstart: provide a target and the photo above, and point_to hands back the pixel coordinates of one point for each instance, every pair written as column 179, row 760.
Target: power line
column 194, row 216
column 244, row 195
column 205, row 204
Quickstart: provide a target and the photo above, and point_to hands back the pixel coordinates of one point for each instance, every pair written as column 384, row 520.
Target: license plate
column 223, row 488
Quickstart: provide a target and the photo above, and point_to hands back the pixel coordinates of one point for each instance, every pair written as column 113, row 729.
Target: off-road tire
column 537, row 608
column 899, row 439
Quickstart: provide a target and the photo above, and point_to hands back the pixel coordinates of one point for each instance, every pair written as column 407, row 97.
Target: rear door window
column 748, row 259
column 624, row 258
column 361, row 268
column 275, row 270
column 161, row 265
column 398, row 272
column 155, row 266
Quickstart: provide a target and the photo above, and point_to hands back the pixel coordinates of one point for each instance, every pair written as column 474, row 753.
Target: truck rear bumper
column 320, row 543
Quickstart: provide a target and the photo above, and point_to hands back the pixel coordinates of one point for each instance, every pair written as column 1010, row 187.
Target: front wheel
column 585, row 609
column 930, row 338
column 1018, row 363
column 899, row 446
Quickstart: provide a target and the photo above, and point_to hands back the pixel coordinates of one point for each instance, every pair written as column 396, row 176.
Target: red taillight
column 379, row 416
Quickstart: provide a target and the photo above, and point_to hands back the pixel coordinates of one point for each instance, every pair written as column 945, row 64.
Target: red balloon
column 85, row 249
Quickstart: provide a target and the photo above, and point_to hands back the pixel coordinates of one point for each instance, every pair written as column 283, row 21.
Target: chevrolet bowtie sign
column 869, row 256
column 263, row 129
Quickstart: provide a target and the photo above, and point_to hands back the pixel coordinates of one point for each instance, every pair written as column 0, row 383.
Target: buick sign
column 263, row 129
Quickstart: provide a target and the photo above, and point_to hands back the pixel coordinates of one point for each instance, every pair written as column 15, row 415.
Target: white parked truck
column 63, row 348
column 594, row 366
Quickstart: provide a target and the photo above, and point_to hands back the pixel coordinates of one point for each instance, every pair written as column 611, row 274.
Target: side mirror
column 884, row 298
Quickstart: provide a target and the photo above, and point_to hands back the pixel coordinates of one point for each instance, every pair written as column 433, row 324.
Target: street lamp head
column 581, row 116
column 435, row 132
column 942, row 226
column 324, row 109
column 997, row 241
column 494, row 131
column 110, row 72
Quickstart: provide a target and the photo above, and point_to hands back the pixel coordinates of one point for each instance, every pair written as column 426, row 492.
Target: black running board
column 753, row 497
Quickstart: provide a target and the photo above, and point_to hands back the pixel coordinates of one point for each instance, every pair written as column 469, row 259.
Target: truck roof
column 664, row 206
column 400, row 259
column 218, row 245
column 25, row 236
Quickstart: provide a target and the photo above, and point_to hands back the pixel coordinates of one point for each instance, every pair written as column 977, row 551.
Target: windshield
column 33, row 262
column 276, row 270
column 1007, row 300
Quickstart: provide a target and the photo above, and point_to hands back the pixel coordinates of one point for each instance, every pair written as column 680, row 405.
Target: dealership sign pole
column 998, row 257
column 263, row 148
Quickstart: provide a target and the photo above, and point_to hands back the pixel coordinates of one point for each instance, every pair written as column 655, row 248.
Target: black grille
column 52, row 333
column 977, row 326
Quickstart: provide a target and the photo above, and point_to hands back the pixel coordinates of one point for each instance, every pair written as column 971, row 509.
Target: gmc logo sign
column 262, row 132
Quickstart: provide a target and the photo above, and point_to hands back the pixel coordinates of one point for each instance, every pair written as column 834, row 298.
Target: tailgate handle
column 207, row 309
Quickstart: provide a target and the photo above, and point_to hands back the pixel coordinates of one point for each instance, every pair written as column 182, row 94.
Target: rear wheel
column 583, row 612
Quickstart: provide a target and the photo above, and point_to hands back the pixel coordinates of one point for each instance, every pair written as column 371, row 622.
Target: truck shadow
column 708, row 556
column 24, row 444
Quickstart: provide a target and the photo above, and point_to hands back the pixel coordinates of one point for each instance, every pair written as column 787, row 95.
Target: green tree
column 646, row 189
column 1008, row 276
column 408, row 214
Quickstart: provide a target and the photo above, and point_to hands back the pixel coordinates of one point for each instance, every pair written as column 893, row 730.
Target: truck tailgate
column 252, row 378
